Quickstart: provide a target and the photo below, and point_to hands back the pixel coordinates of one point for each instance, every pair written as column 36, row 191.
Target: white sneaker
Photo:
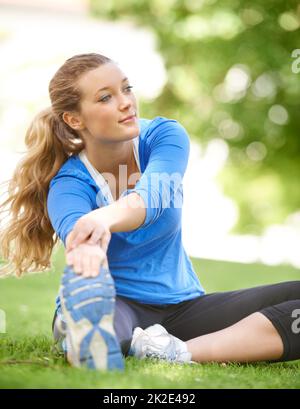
column 156, row 342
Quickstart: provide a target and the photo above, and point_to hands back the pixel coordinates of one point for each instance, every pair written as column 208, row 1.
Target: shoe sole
column 88, row 308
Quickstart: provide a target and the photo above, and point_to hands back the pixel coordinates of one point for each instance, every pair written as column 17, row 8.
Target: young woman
column 109, row 186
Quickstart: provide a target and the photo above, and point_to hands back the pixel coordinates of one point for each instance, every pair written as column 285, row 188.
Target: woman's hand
column 87, row 259
column 90, row 229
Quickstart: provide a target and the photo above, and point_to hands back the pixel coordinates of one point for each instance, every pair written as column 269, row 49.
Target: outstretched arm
column 126, row 214
column 71, row 205
column 87, row 243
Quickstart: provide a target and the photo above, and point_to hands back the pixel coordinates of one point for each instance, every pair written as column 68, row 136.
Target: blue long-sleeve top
column 149, row 264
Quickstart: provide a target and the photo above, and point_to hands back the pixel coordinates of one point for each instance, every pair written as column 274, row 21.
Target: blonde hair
column 28, row 238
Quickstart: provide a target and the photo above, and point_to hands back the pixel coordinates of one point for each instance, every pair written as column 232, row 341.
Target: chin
column 134, row 131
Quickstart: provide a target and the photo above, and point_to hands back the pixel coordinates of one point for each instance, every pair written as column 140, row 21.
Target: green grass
column 28, row 359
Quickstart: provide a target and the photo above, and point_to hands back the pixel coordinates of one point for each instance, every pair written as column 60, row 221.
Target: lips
column 128, row 117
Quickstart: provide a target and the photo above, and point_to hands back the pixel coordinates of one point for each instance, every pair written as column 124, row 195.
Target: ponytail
column 27, row 239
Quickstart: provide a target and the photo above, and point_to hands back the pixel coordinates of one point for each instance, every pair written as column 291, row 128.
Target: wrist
column 102, row 217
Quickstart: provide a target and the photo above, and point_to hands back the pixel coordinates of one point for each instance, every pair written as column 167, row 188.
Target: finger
column 80, row 232
column 69, row 240
column 96, row 235
column 77, row 262
column 105, row 263
column 86, row 265
column 69, row 258
column 78, row 238
column 95, row 265
column 105, row 239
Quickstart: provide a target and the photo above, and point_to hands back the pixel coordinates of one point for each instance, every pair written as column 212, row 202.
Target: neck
column 108, row 157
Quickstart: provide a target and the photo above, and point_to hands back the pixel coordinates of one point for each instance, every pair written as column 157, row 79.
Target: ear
column 73, row 120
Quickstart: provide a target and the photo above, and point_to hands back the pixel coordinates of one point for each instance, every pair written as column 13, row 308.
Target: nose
column 124, row 102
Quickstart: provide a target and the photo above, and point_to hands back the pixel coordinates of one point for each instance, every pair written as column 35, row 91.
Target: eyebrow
column 102, row 89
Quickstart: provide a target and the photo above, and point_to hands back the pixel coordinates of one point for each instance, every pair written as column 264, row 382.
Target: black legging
column 280, row 303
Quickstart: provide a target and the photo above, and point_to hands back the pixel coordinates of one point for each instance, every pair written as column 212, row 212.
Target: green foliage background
column 200, row 41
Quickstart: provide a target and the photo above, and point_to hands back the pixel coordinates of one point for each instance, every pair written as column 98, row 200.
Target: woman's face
column 102, row 110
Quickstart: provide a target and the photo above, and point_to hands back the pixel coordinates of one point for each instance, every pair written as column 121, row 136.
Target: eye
column 105, row 98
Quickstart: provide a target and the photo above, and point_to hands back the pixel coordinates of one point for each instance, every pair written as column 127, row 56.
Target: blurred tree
column 233, row 75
